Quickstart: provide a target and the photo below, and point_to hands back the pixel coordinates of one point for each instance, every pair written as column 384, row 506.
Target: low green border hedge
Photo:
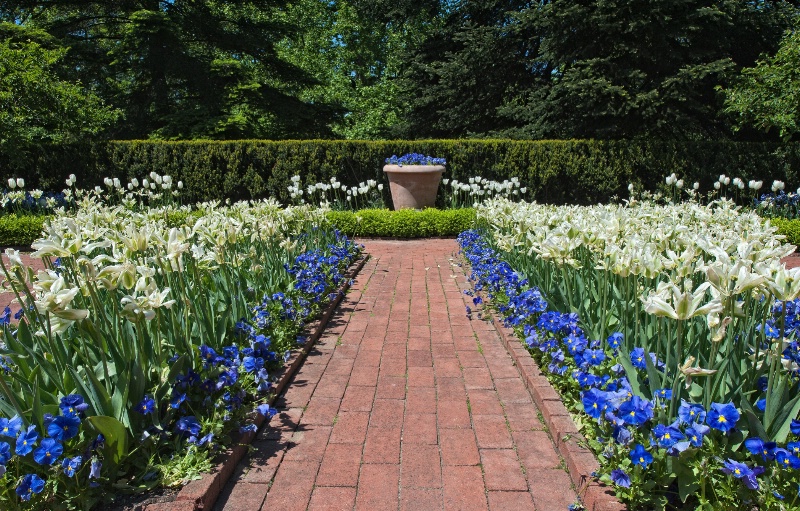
column 20, row 230
column 406, row 223
column 789, row 228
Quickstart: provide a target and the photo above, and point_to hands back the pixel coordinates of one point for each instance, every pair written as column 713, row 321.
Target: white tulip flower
column 696, row 186
column 20, row 183
column 679, row 184
column 778, row 185
column 153, row 176
column 717, row 185
column 12, row 183
column 630, row 187
column 145, row 183
column 180, row 185
column 727, row 181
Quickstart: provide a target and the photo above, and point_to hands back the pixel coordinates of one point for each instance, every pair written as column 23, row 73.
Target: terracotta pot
column 414, row 186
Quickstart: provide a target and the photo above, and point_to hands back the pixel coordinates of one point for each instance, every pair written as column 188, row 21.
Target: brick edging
column 580, row 461
column 202, row 494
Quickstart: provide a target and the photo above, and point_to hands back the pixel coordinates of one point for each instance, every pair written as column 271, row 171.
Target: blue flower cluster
column 49, row 448
column 213, row 391
column 43, row 202
column 778, row 204
column 415, row 159
column 633, row 429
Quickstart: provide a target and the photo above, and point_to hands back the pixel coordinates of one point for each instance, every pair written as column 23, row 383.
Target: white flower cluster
column 335, row 193
column 128, row 252
column 477, row 189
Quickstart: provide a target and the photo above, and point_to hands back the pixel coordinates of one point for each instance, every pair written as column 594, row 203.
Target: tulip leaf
column 116, row 437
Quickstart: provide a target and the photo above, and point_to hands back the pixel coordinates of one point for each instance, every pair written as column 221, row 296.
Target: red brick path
column 404, row 404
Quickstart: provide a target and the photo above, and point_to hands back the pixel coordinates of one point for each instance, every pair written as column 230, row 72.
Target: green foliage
column 571, row 171
column 20, row 230
column 768, row 95
column 788, row 228
column 406, row 223
column 183, row 70
column 356, row 55
column 37, row 103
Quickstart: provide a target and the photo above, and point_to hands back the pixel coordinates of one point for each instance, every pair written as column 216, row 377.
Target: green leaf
column 116, row 445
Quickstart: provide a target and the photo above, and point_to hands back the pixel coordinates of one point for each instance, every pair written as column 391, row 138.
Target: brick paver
column 404, row 403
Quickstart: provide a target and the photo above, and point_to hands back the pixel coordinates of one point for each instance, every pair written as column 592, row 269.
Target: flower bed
column 140, row 351
column 661, row 329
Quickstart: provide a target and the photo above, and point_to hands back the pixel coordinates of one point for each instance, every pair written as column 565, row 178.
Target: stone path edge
column 202, row 494
column 580, row 461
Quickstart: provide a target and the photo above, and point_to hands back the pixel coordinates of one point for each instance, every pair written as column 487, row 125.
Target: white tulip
column 12, row 183
column 145, row 183
column 778, row 185
column 696, row 186
column 153, row 176
column 630, row 187
column 20, row 182
column 717, row 185
column 679, row 184
column 722, row 178
column 727, row 181
column 180, row 185
column 135, row 182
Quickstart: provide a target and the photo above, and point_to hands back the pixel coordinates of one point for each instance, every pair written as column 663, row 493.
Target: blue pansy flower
column 146, row 406
column 690, row 413
column 73, row 404
column 667, row 436
column 620, row 478
column 188, row 426
column 71, row 465
column 695, row 434
column 640, row 456
column 26, row 441
column 636, row 411
column 594, row 357
column 30, row 485
column 10, row 427
column 761, row 404
column 741, row 471
column 794, row 448
column 637, row 358
column 722, row 416
column 664, row 394
column 615, row 339
column 48, row 452
column 786, row 459
column 94, row 469
column 5, row 453
column 594, row 403
column 64, row 427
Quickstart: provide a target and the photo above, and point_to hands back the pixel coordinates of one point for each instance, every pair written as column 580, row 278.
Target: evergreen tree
column 628, row 68
column 184, row 69
column 768, row 95
column 463, row 73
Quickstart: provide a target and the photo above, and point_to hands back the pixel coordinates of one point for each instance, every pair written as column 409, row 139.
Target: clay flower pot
column 414, row 186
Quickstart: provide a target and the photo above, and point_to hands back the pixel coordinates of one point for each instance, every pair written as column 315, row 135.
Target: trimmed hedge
column 406, row 223
column 21, row 230
column 789, row 228
column 561, row 171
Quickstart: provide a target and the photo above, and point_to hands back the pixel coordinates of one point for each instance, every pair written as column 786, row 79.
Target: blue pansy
column 30, row 485
column 640, row 456
column 71, row 465
column 26, row 441
column 146, row 406
column 741, row 471
column 690, row 413
column 64, row 427
column 594, row 403
column 594, row 357
column 637, row 358
column 620, row 478
column 695, row 434
column 10, row 427
column 614, row 340
column 722, row 416
column 794, row 427
column 667, row 436
column 5, row 453
column 786, row 459
column 48, row 452
column 636, row 411
column 73, row 404
column 188, row 426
